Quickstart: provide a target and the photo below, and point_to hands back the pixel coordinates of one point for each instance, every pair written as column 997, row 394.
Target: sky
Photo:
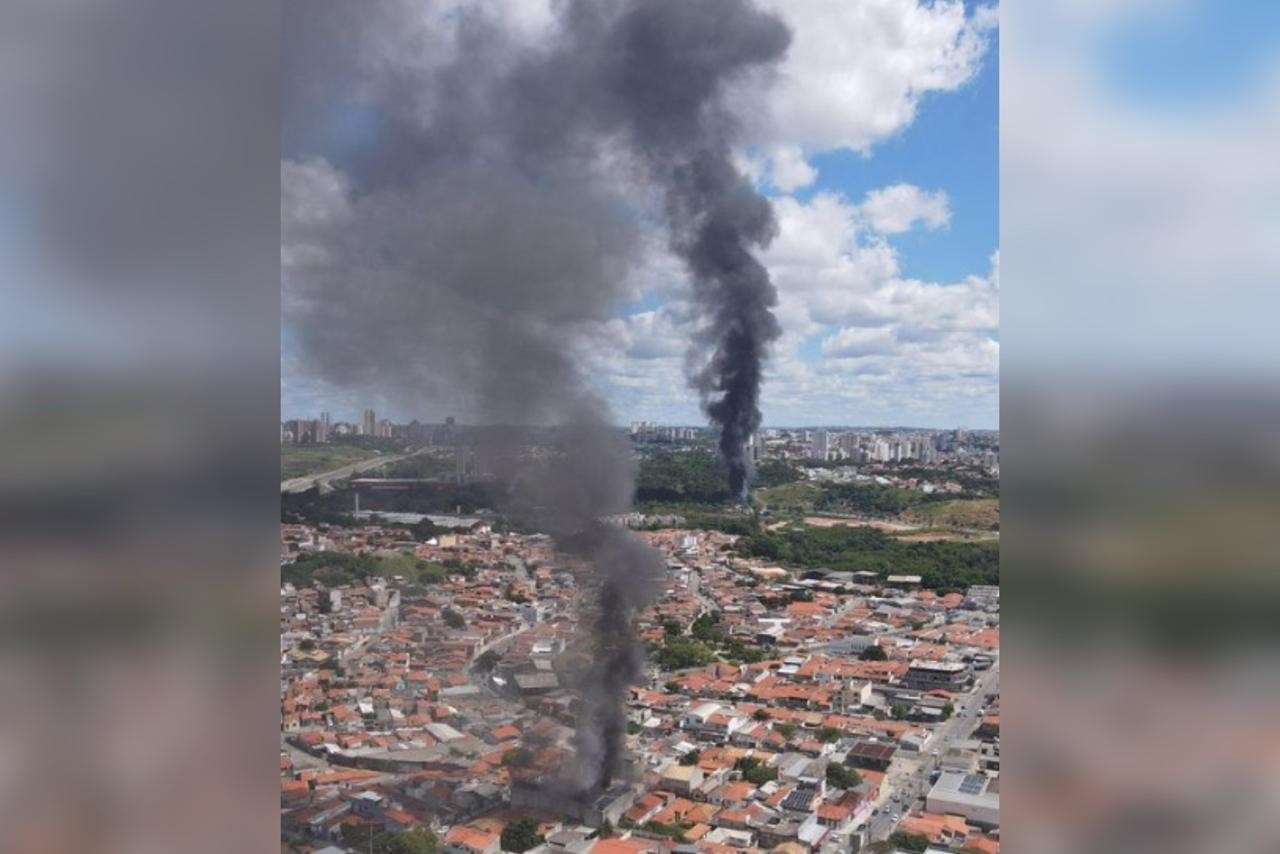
column 1146, row 131
column 878, row 144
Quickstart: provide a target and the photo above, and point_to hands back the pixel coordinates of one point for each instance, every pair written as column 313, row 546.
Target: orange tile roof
column 471, row 837
column 623, row 846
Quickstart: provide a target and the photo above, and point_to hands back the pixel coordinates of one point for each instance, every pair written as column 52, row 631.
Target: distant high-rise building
column 460, row 454
column 322, row 428
column 821, row 445
column 369, row 426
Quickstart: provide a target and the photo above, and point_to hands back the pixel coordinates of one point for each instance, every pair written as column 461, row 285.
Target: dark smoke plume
column 475, row 207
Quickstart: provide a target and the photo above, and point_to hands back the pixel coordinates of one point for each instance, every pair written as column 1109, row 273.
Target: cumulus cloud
column 1160, row 200
column 857, row 71
column 897, row 208
column 788, row 169
column 862, row 342
column 886, row 339
column 856, row 342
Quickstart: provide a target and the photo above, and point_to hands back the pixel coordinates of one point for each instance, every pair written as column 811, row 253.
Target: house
column 949, row 830
column 368, row 804
column 697, row 717
column 682, row 779
column 875, row 755
column 465, row 839
column 536, row 683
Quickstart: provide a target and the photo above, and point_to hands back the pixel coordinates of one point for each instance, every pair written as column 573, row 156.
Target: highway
column 310, row 481
column 907, row 782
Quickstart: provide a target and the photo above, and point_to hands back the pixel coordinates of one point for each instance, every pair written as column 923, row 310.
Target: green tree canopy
column 842, row 776
column 519, row 836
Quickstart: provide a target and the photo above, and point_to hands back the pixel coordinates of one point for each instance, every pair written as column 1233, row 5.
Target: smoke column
column 476, row 203
column 663, row 68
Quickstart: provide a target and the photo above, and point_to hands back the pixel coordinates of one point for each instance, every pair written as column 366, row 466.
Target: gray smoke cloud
column 487, row 217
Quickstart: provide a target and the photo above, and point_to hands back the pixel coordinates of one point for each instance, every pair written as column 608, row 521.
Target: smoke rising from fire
column 478, row 207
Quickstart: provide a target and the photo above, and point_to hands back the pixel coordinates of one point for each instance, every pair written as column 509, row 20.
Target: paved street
column 907, row 781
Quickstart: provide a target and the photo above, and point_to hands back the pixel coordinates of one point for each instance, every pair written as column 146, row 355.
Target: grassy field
column 299, row 460
column 800, row 496
column 975, row 513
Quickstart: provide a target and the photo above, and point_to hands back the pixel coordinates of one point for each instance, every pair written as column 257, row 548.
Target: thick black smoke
column 655, row 72
column 475, row 208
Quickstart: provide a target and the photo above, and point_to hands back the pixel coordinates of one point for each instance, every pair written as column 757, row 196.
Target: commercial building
column 974, row 796
column 945, row 675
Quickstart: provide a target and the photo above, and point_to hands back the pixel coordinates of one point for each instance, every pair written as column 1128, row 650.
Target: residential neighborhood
column 427, row 687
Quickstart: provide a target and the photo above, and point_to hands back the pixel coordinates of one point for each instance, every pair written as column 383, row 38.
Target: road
column 300, row 758
column 907, row 781
column 310, row 481
column 695, row 587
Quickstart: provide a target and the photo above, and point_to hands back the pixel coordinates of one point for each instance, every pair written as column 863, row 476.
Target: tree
column 307, row 644
column 425, row 530
column 753, row 771
column 671, row 629
column 691, row 758
column 453, row 619
column 605, row 830
column 917, row 842
column 874, row 653
column 761, row 715
column 520, row 836
column 487, row 660
column 787, row 730
column 899, row 711
column 707, row 627
column 829, row 734
column 419, row 840
column 842, row 776
column 948, row 710
column 679, row 653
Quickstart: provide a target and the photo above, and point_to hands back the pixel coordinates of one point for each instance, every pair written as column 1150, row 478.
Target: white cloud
column 890, row 347
column 855, row 342
column 889, row 343
column 1142, row 232
column 856, row 70
column 897, row 208
column 788, row 169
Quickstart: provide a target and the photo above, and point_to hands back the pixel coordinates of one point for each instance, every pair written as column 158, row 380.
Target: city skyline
column 621, row 424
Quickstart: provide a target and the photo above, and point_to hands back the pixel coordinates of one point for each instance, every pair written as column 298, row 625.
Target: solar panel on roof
column 972, row 784
column 798, row 800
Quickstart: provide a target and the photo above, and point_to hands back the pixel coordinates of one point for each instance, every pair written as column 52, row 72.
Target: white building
column 974, row 796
